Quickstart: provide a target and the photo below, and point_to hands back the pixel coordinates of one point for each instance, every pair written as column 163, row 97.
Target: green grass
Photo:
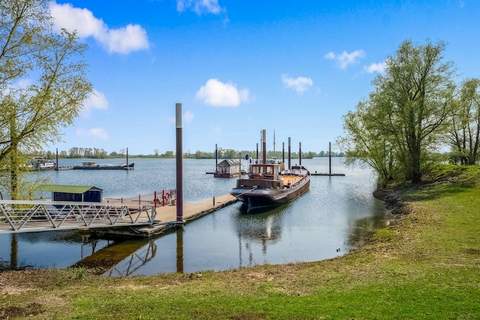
column 425, row 266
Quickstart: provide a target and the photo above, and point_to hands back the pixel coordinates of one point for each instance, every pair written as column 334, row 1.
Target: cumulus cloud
column 378, row 67
column 121, row 40
column 345, row 59
column 222, row 94
column 199, row 6
column 298, row 84
column 95, row 100
column 95, row 133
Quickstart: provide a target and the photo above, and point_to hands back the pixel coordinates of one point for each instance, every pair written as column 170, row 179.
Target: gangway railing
column 46, row 215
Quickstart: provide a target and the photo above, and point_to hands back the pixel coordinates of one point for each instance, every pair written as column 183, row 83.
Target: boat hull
column 100, row 167
column 263, row 199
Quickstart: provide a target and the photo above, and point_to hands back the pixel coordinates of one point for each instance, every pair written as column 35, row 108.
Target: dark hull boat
column 94, row 166
column 269, row 186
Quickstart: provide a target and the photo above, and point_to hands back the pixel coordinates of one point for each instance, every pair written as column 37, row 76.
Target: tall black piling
column 179, row 163
column 56, row 159
column 300, row 153
column 216, row 158
column 289, row 153
column 330, row 158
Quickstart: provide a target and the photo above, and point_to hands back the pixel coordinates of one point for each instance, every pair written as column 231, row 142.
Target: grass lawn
column 425, row 266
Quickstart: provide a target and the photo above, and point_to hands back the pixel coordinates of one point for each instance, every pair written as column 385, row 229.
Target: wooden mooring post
column 179, row 163
column 329, row 174
column 56, row 159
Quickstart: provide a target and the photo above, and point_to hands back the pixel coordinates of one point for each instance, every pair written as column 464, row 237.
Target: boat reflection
column 263, row 228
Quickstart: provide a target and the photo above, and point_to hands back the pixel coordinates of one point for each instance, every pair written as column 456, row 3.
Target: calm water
column 336, row 215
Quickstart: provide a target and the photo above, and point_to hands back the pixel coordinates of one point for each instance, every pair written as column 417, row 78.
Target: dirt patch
column 10, row 290
column 473, row 251
column 248, row 316
column 31, row 309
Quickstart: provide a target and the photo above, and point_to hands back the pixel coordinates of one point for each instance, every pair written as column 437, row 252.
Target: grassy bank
column 427, row 265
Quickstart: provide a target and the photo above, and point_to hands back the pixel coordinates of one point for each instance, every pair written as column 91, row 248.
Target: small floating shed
column 73, row 193
column 228, row 168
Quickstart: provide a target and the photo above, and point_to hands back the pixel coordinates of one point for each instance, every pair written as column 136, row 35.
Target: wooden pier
column 166, row 218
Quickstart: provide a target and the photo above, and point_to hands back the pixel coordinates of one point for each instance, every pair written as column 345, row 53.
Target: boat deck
column 290, row 179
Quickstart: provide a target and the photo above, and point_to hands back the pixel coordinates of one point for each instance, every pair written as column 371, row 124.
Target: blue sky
column 240, row 66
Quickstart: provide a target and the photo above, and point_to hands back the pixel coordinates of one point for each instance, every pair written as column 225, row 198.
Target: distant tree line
column 96, row 153
column 415, row 110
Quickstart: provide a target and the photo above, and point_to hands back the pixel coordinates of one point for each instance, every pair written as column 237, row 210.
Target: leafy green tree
column 406, row 115
column 42, row 80
column 464, row 123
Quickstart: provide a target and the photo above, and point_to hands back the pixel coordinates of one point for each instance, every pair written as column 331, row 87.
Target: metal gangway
column 47, row 215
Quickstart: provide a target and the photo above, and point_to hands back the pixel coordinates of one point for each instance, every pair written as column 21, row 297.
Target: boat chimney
column 179, row 163
column 299, row 153
column 283, row 152
column 257, row 154
column 289, row 153
column 264, row 146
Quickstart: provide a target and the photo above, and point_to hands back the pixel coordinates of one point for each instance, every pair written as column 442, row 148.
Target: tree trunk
column 415, row 165
column 13, row 158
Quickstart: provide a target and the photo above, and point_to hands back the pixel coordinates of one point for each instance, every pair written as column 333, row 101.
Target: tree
column 405, row 116
column 42, row 80
column 368, row 142
column 464, row 123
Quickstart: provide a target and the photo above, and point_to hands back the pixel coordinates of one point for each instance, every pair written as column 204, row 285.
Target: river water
column 336, row 215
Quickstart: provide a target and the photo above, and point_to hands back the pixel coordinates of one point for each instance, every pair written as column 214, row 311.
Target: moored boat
column 89, row 165
column 270, row 185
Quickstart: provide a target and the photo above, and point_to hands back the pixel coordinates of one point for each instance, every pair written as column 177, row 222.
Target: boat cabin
column 73, row 193
column 265, row 171
column 228, row 169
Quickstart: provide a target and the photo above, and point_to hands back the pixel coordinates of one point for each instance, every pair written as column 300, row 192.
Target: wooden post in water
column 299, row 153
column 179, row 250
column 126, row 158
column 289, row 153
column 56, row 159
column 330, row 158
column 179, row 159
column 283, row 152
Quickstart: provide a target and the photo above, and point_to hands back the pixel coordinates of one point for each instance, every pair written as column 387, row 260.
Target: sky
column 293, row 66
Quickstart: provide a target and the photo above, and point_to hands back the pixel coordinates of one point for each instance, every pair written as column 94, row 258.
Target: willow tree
column 367, row 142
column 411, row 103
column 464, row 126
column 42, row 81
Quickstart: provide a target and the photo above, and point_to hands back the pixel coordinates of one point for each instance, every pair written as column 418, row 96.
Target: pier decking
column 165, row 218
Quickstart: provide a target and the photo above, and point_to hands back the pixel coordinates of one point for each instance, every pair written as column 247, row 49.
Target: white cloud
column 298, row 84
column 345, row 58
column 123, row 40
column 378, row 67
column 96, row 133
column 199, row 6
column 95, row 100
column 219, row 94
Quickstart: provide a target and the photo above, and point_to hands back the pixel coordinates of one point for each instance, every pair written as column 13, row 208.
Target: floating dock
column 166, row 218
